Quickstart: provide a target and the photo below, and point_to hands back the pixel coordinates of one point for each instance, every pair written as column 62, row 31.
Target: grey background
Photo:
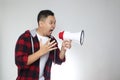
column 97, row 59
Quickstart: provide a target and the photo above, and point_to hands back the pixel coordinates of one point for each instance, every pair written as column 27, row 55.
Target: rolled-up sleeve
column 57, row 57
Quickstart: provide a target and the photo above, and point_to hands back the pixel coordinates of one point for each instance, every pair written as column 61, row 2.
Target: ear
column 40, row 23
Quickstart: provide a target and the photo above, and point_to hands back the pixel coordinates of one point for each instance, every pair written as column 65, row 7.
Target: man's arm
column 66, row 44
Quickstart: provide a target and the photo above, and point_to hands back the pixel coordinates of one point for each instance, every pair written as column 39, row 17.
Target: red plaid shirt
column 24, row 48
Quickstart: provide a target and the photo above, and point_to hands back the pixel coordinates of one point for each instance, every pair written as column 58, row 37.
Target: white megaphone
column 75, row 37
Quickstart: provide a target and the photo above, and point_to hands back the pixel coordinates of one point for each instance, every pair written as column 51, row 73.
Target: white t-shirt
column 44, row 58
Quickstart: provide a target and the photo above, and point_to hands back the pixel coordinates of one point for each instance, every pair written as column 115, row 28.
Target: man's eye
column 51, row 23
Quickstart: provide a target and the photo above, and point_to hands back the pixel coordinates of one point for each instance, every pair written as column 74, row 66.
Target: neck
column 40, row 32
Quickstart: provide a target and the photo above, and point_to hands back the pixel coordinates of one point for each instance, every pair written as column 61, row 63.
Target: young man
column 36, row 49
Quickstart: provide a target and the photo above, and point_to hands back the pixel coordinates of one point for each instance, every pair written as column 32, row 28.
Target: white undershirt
column 44, row 58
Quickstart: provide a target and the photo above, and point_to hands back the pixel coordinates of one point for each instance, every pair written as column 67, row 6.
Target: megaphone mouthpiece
column 61, row 35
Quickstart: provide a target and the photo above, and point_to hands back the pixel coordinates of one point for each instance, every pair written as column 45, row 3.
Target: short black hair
column 44, row 14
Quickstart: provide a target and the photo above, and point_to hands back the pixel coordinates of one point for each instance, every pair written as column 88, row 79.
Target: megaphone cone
column 75, row 37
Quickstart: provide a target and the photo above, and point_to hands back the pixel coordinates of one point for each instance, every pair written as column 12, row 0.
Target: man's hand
column 66, row 44
column 48, row 46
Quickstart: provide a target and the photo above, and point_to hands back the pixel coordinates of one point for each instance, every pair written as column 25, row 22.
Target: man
column 36, row 49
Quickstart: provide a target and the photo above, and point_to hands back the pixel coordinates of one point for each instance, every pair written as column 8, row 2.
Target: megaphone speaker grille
column 82, row 37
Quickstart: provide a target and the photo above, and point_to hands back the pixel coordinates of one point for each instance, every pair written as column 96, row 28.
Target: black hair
column 44, row 14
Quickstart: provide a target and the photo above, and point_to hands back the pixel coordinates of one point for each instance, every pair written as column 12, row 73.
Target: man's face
column 48, row 25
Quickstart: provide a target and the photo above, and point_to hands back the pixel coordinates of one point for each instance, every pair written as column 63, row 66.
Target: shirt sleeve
column 21, row 51
column 57, row 58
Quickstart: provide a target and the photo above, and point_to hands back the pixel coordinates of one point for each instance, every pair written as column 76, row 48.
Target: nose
column 54, row 25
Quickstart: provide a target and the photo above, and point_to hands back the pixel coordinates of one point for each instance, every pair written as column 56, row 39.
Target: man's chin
column 48, row 35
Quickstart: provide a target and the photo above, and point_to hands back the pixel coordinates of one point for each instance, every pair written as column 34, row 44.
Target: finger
column 68, row 46
column 52, row 42
column 52, row 48
column 53, row 45
column 67, row 43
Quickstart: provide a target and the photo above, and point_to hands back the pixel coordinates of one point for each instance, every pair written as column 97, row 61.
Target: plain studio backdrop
column 97, row 59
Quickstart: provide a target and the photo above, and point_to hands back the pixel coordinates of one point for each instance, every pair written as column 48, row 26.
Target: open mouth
column 51, row 30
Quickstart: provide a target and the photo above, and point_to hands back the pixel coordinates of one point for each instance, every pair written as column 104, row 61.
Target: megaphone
column 77, row 37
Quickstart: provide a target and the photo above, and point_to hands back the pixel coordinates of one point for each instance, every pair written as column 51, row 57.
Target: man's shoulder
column 25, row 34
